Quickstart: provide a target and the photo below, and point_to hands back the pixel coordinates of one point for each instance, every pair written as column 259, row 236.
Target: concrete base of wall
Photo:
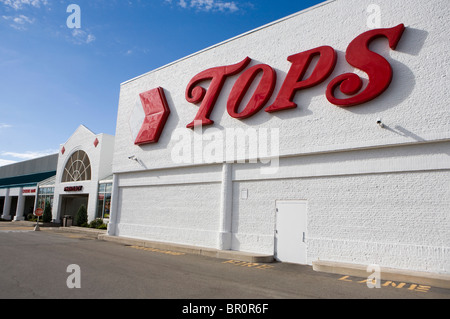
column 210, row 252
column 397, row 275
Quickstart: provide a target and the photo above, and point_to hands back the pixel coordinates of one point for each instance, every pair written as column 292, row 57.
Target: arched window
column 78, row 168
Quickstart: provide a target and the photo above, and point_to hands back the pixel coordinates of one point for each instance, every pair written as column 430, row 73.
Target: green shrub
column 47, row 216
column 96, row 223
column 103, row 226
column 81, row 217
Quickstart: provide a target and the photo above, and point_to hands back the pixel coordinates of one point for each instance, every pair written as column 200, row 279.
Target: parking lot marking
column 248, row 264
column 167, row 252
column 390, row 283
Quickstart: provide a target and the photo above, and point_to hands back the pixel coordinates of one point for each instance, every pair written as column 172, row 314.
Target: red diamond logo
column 63, row 150
column 96, row 142
column 156, row 112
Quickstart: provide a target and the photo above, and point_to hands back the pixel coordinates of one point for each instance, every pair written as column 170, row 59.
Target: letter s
column 377, row 68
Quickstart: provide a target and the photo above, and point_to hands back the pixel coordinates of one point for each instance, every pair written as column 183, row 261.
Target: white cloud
column 21, row 19
column 214, row 5
column 81, row 37
column 20, row 4
column 19, row 22
column 90, row 38
column 4, row 162
column 182, row 3
column 4, row 125
column 28, row 155
column 207, row 5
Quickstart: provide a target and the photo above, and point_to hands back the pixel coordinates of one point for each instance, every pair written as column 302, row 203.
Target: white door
column 290, row 231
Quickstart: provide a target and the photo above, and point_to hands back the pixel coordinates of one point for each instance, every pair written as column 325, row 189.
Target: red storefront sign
column 73, row 188
column 156, row 113
column 357, row 55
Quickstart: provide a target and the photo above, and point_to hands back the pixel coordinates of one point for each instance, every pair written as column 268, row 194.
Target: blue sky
column 54, row 78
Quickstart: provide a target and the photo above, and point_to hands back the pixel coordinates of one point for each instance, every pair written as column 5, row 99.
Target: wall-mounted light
column 134, row 158
column 380, row 123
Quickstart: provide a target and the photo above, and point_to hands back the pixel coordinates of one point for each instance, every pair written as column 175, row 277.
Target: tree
column 81, row 218
column 47, row 216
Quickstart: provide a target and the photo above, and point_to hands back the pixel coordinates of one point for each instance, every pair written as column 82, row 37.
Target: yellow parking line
column 167, row 252
column 248, row 264
column 390, row 283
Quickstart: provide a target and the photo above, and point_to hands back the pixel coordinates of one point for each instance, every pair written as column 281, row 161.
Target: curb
column 209, row 252
column 95, row 233
column 399, row 275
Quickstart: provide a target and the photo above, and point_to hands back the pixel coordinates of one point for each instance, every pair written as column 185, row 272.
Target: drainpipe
column 226, row 208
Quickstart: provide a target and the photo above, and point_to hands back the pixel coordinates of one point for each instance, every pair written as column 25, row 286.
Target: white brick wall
column 185, row 214
column 396, row 215
column 395, row 219
column 374, row 195
column 414, row 107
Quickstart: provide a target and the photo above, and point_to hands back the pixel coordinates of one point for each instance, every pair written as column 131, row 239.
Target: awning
column 25, row 180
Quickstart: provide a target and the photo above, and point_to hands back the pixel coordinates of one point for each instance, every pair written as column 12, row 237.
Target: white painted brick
column 374, row 195
column 395, row 220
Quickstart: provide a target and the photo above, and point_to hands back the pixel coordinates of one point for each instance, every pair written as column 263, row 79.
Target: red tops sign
column 358, row 55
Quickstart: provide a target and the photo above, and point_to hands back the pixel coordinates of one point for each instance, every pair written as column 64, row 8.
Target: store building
column 19, row 186
column 252, row 145
column 83, row 175
column 80, row 174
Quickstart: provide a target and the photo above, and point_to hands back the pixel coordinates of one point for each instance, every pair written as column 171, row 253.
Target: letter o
column 259, row 98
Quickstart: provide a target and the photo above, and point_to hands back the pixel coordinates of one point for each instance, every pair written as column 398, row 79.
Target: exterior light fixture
column 380, row 123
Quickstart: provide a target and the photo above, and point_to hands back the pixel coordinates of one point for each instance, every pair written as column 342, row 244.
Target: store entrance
column 71, row 204
column 28, row 208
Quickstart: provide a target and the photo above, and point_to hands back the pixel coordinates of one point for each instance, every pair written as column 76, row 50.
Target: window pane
column 107, row 205
column 78, row 168
column 99, row 213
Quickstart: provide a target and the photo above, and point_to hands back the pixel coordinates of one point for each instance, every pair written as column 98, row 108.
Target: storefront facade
column 80, row 174
column 252, row 145
column 83, row 172
column 19, row 186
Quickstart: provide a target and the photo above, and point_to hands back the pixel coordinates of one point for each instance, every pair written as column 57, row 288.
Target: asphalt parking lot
column 53, row 264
